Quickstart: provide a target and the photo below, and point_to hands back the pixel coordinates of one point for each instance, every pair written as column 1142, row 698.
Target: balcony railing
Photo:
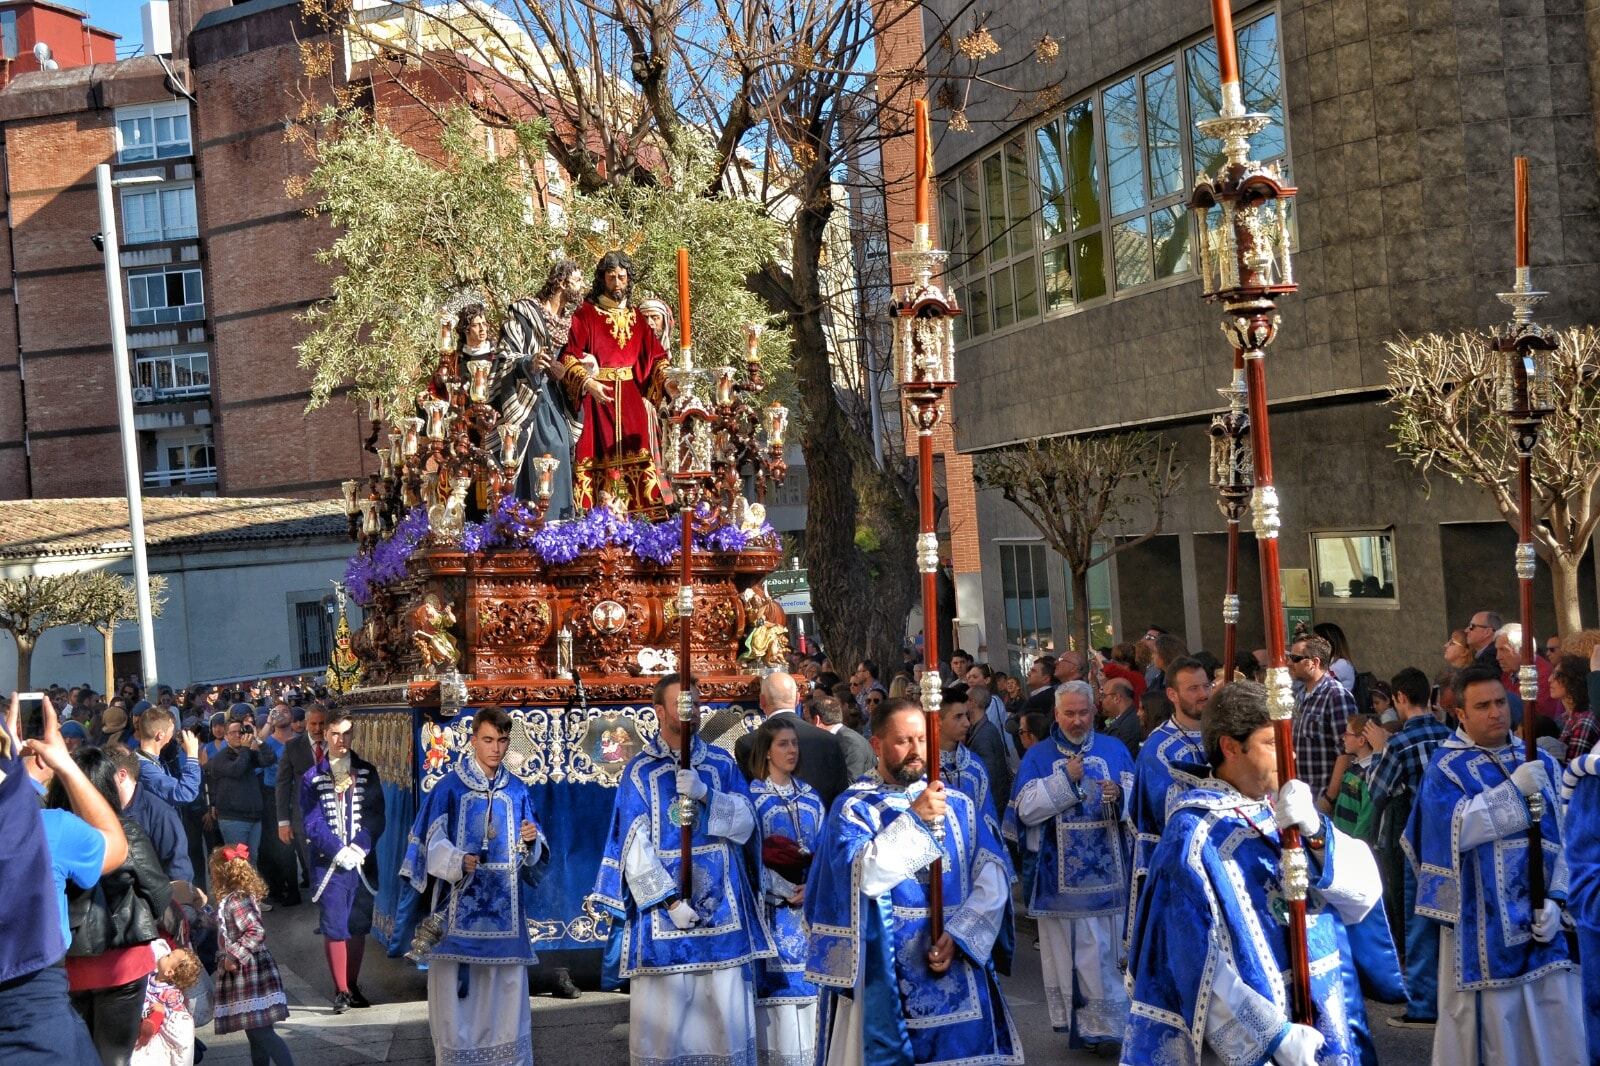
column 194, row 475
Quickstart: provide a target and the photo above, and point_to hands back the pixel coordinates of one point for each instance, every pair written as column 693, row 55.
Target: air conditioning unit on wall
column 144, row 394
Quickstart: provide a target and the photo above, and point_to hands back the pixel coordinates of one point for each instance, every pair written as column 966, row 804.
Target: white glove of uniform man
column 682, row 914
column 1296, row 807
column 1547, row 923
column 691, row 784
column 1301, row 1043
column 349, row 857
column 1530, row 778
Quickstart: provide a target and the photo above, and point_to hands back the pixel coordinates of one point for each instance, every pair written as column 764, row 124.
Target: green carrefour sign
column 784, row 582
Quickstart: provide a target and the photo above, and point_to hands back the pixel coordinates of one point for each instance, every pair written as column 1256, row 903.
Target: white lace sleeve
column 977, row 923
column 896, row 853
column 444, row 859
column 1492, row 814
column 1045, row 797
column 1353, row 886
column 1241, row 1024
column 648, row 881
column 730, row 817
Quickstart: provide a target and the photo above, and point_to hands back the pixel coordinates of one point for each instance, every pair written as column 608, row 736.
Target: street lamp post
column 132, row 478
column 1241, row 225
column 1523, row 396
column 924, row 350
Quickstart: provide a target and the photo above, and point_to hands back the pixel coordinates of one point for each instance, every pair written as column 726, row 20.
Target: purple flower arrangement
column 515, row 524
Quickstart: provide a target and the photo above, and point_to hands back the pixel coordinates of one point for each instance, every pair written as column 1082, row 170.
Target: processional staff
column 924, row 347
column 1523, row 379
column 1241, row 226
column 689, row 475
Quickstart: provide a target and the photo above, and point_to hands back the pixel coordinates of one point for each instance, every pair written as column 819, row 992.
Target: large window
column 174, row 375
column 1355, row 569
column 163, row 214
column 159, row 297
column 8, row 34
column 153, row 131
column 1091, row 202
column 1100, row 631
column 313, row 633
column 1025, row 590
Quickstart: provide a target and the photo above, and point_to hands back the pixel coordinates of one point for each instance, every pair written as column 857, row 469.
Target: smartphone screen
column 30, row 707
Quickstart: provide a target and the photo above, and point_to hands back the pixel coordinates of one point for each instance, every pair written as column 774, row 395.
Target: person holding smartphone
column 235, row 788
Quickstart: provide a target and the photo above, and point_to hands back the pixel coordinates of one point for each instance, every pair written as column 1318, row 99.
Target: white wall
column 229, row 613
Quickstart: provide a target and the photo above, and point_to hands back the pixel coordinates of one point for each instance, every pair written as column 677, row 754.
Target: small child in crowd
column 166, row 1038
column 249, row 991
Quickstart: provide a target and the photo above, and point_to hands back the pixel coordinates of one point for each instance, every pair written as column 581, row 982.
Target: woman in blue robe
column 789, row 817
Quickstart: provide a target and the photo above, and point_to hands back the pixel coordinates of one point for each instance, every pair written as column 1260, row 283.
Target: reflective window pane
column 1355, row 568
column 1052, row 180
column 1008, row 593
column 1163, row 131
column 972, row 217
column 1019, row 210
column 950, row 222
column 1082, row 165
column 1131, row 239
column 978, row 307
column 1003, row 307
column 994, row 206
column 1261, row 79
column 1041, row 592
column 1025, row 289
column 1090, row 260
column 1170, row 233
column 1124, row 160
column 1057, row 278
column 1200, row 63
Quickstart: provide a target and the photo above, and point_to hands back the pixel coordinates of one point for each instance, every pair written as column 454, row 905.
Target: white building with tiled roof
column 249, row 583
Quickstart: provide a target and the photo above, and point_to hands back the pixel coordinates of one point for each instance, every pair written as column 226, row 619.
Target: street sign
column 790, row 590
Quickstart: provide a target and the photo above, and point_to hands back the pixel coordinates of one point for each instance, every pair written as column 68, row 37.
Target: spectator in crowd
column 1347, row 801
column 1479, row 635
column 250, row 994
column 1119, row 711
column 825, row 713
column 1041, row 685
column 280, row 866
column 960, row 663
column 156, row 729
column 307, row 749
column 1071, row 666
column 218, row 724
column 235, row 789
column 147, row 810
column 1320, row 718
column 1457, row 652
column 113, row 726
column 821, row 753
column 988, row 742
column 1123, row 662
column 1578, row 689
column 113, row 925
column 1340, row 665
column 1552, row 648
column 1508, row 657
column 864, row 682
column 73, row 735
column 44, row 853
column 1034, row 727
column 1393, row 788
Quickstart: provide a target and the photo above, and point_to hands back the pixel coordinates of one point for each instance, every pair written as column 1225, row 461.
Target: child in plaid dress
column 249, row 992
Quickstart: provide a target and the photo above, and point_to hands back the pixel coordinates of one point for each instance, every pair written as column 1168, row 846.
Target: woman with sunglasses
column 789, row 817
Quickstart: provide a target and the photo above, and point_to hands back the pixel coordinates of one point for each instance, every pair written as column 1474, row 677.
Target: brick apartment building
column 219, row 399
column 1070, row 255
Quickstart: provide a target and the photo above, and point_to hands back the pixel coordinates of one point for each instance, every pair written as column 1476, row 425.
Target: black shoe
column 292, row 901
column 357, row 1000
column 341, row 1002
column 564, row 986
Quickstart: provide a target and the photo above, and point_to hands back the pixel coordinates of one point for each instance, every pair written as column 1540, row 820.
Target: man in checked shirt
column 1392, row 789
column 1322, row 714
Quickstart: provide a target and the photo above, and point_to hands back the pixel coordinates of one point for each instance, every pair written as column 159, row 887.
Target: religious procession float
column 566, row 513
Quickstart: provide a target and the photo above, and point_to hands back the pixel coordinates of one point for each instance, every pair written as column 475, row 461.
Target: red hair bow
column 236, row 851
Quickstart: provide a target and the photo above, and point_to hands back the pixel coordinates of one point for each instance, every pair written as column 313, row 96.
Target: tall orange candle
column 922, row 162
column 683, row 297
column 1521, row 171
column 1227, row 47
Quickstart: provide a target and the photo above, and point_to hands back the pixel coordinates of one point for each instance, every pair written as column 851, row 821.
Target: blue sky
column 118, row 16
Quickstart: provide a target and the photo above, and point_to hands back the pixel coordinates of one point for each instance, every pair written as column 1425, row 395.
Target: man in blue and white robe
column 1580, row 789
column 1509, row 991
column 477, row 841
column 1068, row 818
column 690, row 961
column 1177, row 740
column 342, row 798
column 891, row 996
column 1212, row 928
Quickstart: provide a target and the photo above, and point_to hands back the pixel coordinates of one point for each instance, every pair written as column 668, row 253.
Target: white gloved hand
column 1299, row 1045
column 1296, row 807
column 348, row 857
column 1547, row 923
column 1530, row 778
column 691, row 784
column 682, row 915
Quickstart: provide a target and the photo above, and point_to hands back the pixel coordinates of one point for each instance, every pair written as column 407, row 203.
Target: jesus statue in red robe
column 613, row 367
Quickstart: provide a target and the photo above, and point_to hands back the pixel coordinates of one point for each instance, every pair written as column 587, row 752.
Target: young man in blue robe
column 477, row 840
column 1212, row 929
column 690, row 961
column 343, row 803
column 1068, row 818
column 891, row 995
column 1581, row 789
column 1177, row 740
column 1508, row 989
